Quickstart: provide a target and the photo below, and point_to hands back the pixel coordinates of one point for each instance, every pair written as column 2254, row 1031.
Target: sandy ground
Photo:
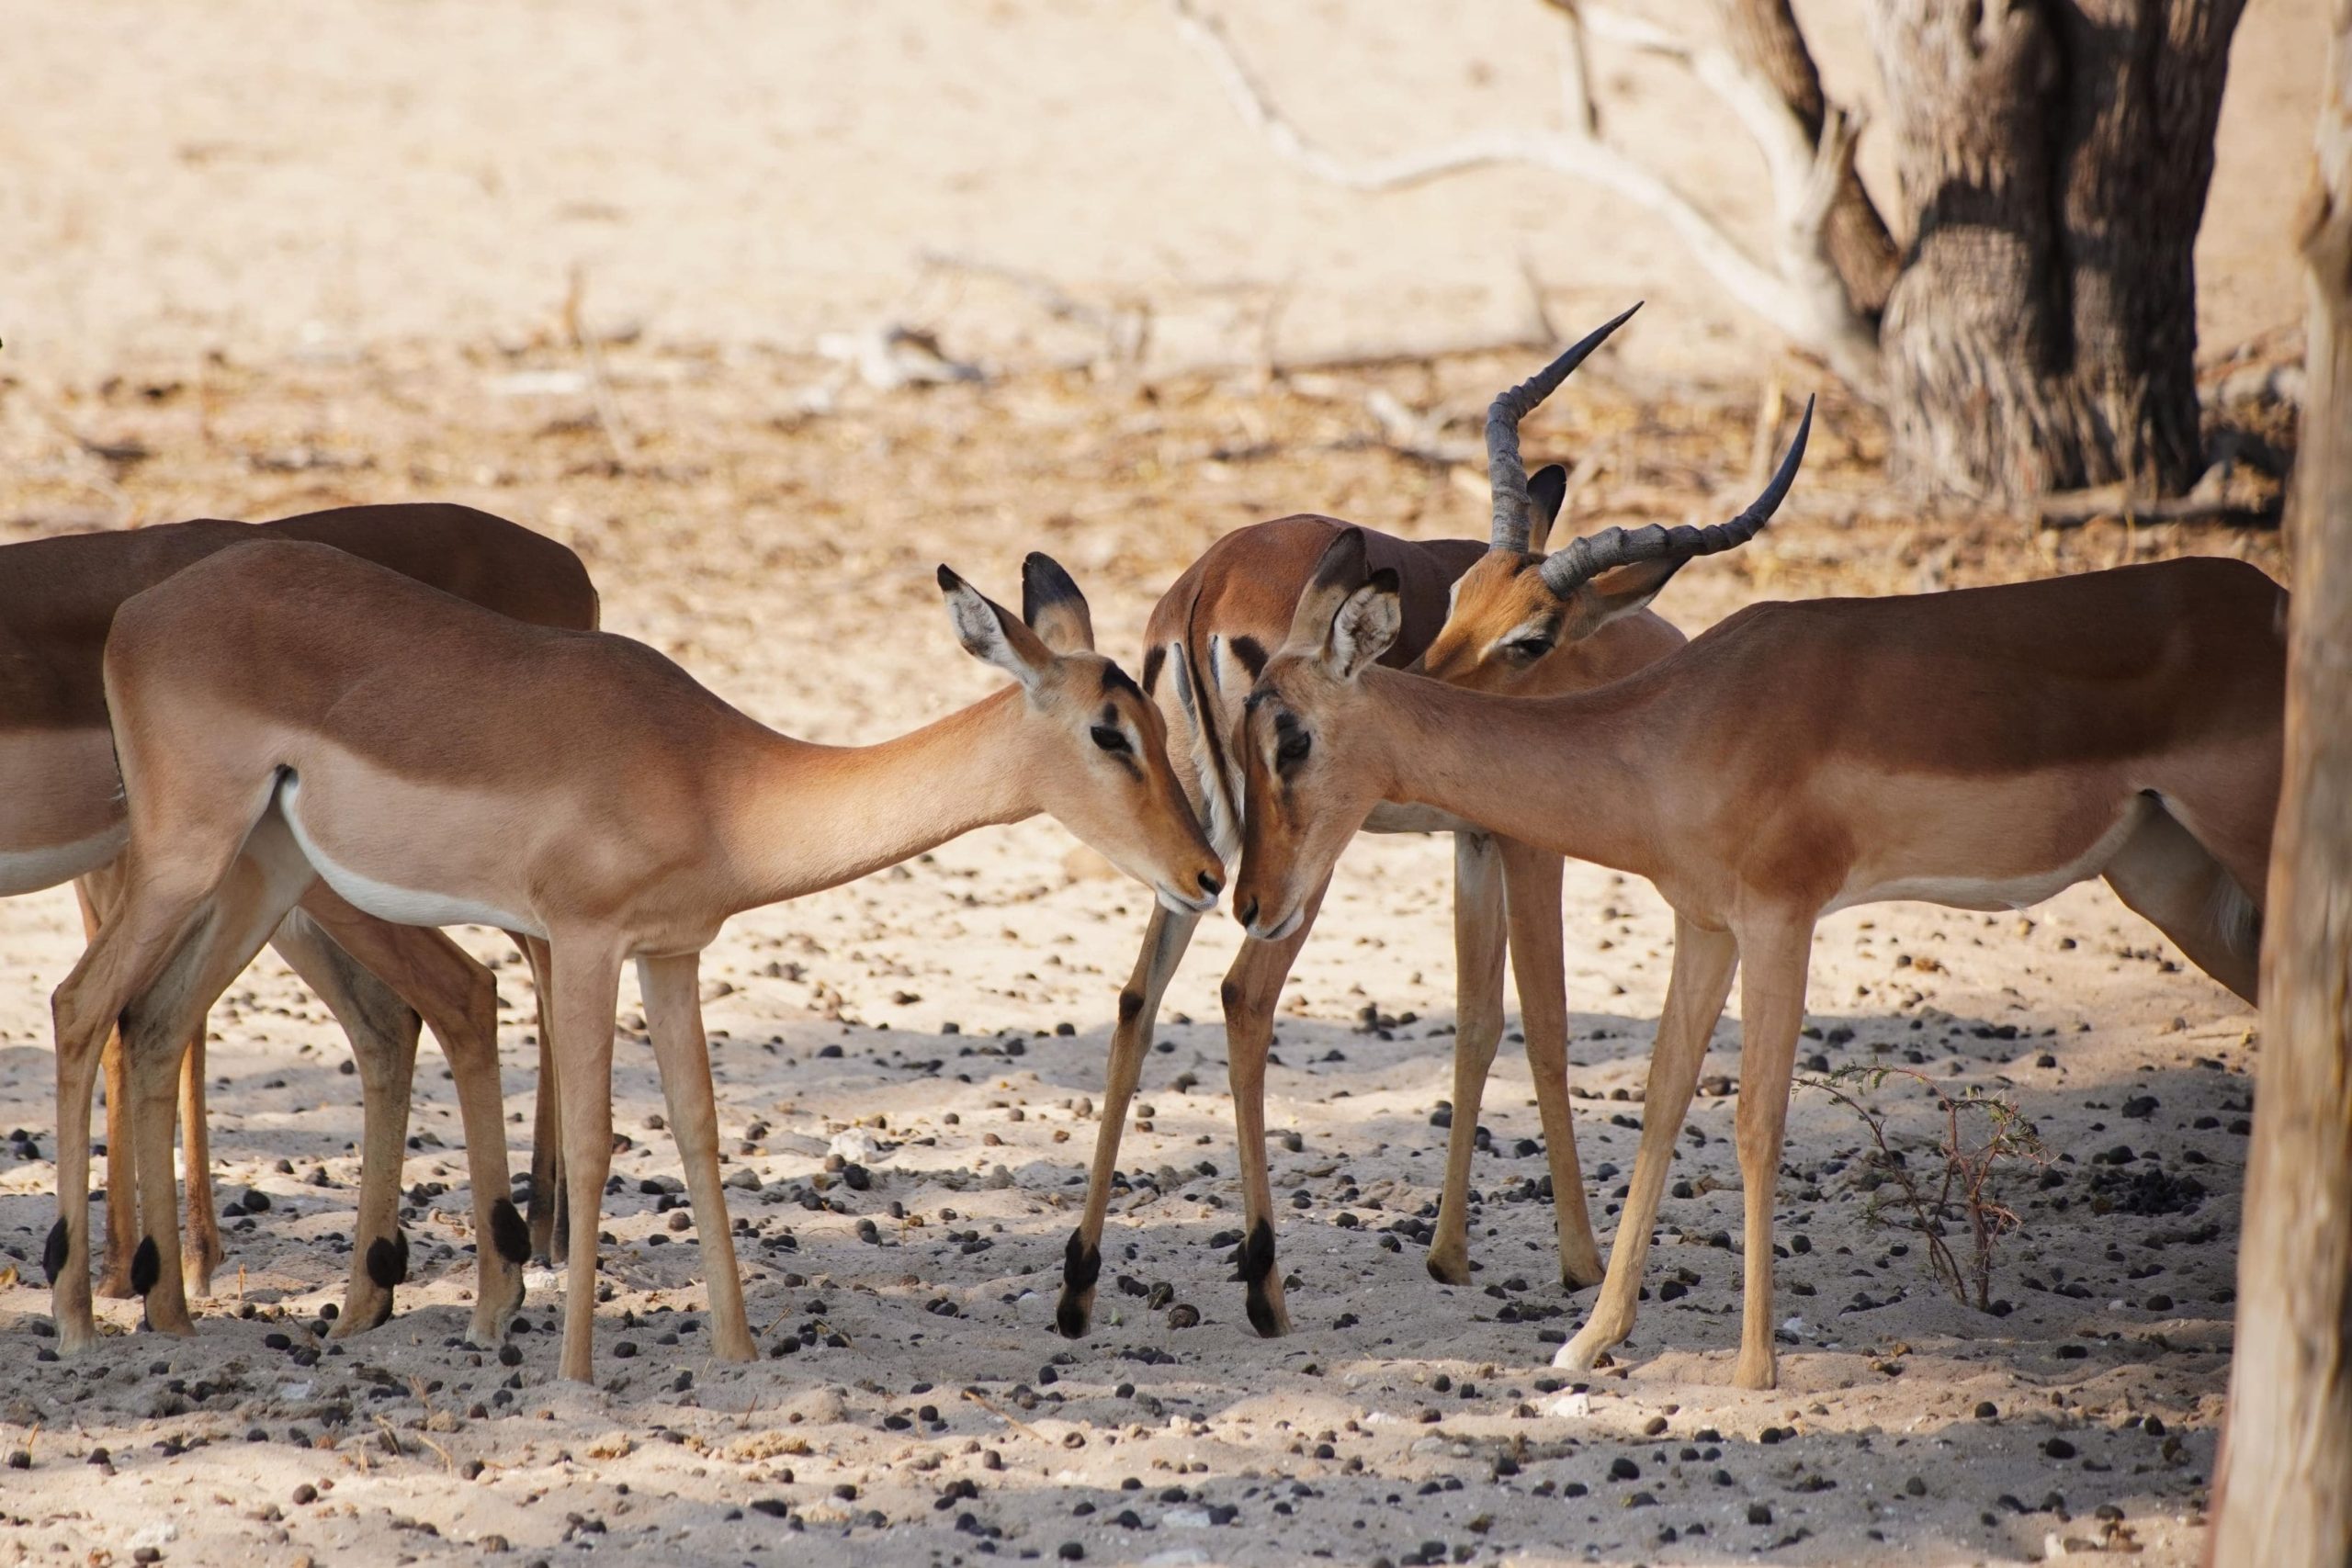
column 254, row 262
column 231, row 175
column 787, row 561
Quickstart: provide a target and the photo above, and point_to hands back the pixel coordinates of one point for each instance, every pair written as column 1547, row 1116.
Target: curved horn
column 1505, row 472
column 1587, row 558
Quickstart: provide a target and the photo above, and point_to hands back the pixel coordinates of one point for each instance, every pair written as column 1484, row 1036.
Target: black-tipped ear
column 1053, row 606
column 1546, row 490
column 1338, row 573
column 989, row 633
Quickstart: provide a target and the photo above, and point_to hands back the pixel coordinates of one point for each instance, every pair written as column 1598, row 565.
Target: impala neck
column 1571, row 775
column 815, row 816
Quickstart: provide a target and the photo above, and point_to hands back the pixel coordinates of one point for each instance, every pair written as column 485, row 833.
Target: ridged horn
column 1583, row 559
column 1505, row 472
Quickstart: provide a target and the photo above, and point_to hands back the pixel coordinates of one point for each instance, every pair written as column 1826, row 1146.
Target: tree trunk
column 1765, row 35
column 2055, row 156
column 2284, row 1493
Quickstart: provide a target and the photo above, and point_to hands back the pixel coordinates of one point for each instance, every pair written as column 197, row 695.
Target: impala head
column 1516, row 606
column 1098, row 746
column 1311, row 752
column 1308, row 775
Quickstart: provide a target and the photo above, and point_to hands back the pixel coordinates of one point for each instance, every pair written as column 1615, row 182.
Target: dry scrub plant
column 1956, row 1184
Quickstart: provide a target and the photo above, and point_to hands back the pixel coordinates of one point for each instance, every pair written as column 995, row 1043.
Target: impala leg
column 258, row 890
column 420, row 972
column 547, row 1228
column 1252, row 988
column 84, row 1011
column 2169, row 879
column 1531, row 896
column 681, row 1053
column 122, row 1175
column 382, row 1031
column 1164, row 941
column 203, row 1223
column 1771, row 1011
column 586, row 995
column 1477, row 1030
column 97, row 894
column 1703, row 961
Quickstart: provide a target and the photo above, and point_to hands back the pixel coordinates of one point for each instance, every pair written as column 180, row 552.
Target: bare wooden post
column 2285, row 1488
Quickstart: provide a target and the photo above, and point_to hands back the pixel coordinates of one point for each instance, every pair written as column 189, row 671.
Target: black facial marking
column 1152, row 660
column 1115, row 679
column 1252, row 654
column 146, row 1267
column 52, row 1256
column 508, row 1233
column 1253, row 1263
column 383, row 1264
column 1081, row 1267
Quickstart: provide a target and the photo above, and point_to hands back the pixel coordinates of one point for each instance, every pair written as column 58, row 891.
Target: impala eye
column 1293, row 747
column 1110, row 740
column 1530, row 647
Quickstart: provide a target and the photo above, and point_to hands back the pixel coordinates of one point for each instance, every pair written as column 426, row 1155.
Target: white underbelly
column 30, row 869
column 2018, row 891
column 389, row 901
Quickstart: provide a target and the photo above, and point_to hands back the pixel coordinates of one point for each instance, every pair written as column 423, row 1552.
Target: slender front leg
column 547, row 1228
column 1531, row 895
column 1771, row 1010
column 585, row 994
column 1164, row 941
column 681, row 1054
column 203, row 1226
column 1477, row 1030
column 1703, row 961
column 1252, row 988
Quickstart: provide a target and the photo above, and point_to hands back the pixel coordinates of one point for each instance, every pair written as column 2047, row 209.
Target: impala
column 1208, row 636
column 61, row 820
column 1981, row 749
column 593, row 796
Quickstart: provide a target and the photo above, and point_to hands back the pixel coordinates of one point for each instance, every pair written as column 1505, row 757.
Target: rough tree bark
column 2038, row 329
column 1764, row 34
column 2055, row 156
column 2285, row 1487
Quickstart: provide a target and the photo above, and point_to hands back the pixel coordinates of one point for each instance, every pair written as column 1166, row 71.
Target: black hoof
column 1253, row 1265
column 52, row 1256
column 146, row 1267
column 508, row 1234
column 1081, row 1267
column 386, row 1264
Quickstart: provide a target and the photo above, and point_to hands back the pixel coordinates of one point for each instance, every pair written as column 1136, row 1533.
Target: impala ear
column 1054, row 608
column 1338, row 573
column 1614, row 593
column 987, row 632
column 1366, row 623
column 1546, row 490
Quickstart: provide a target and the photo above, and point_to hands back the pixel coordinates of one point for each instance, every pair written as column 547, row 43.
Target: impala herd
column 228, row 735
